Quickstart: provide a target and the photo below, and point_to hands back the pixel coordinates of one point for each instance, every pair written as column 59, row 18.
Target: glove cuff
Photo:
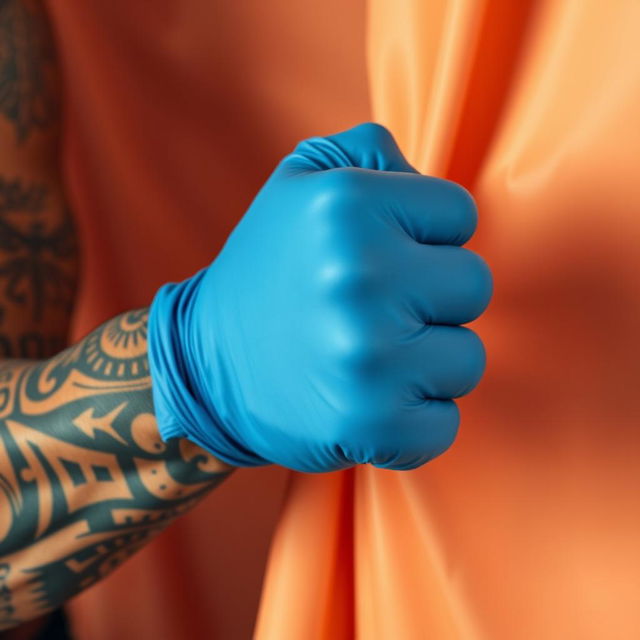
column 180, row 408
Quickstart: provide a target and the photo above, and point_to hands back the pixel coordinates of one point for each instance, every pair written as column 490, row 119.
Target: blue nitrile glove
column 325, row 333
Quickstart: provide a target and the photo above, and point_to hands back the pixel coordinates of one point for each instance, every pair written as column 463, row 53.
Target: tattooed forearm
column 84, row 478
column 6, row 607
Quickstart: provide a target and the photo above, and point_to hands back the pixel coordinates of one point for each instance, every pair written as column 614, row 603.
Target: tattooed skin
column 85, row 479
column 38, row 252
column 35, row 269
column 27, row 68
column 38, row 269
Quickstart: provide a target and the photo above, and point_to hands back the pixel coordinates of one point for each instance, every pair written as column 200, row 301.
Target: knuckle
column 345, row 280
column 338, row 192
column 359, row 354
column 342, row 183
column 377, row 133
column 366, row 359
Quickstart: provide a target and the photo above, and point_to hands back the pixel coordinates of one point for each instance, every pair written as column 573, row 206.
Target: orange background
column 528, row 527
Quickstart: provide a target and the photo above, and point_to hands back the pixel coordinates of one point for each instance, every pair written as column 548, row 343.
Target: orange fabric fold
column 527, row 528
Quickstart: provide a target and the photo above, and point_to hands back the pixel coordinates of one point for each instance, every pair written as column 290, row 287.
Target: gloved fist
column 326, row 334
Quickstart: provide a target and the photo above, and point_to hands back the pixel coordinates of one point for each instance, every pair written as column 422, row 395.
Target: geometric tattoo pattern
column 85, row 479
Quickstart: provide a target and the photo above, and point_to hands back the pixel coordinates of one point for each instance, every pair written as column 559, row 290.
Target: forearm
column 85, row 479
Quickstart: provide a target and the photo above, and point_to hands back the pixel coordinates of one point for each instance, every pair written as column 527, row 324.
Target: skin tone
column 85, row 479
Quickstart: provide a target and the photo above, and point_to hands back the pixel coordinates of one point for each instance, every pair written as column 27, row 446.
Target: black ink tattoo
column 84, row 476
column 38, row 252
column 27, row 68
column 7, row 610
column 32, row 256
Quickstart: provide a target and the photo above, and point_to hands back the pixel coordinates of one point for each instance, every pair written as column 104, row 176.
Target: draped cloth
column 527, row 528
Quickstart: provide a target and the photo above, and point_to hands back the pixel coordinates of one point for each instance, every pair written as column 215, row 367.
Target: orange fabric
column 175, row 114
column 528, row 527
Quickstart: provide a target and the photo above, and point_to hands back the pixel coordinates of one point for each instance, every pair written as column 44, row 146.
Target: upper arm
column 38, row 251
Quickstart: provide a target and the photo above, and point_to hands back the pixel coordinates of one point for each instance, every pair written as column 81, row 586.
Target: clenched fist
column 327, row 331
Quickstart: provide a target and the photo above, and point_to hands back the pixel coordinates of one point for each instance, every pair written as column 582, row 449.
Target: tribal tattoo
column 38, row 270
column 38, row 251
column 38, row 255
column 85, row 479
column 27, row 67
